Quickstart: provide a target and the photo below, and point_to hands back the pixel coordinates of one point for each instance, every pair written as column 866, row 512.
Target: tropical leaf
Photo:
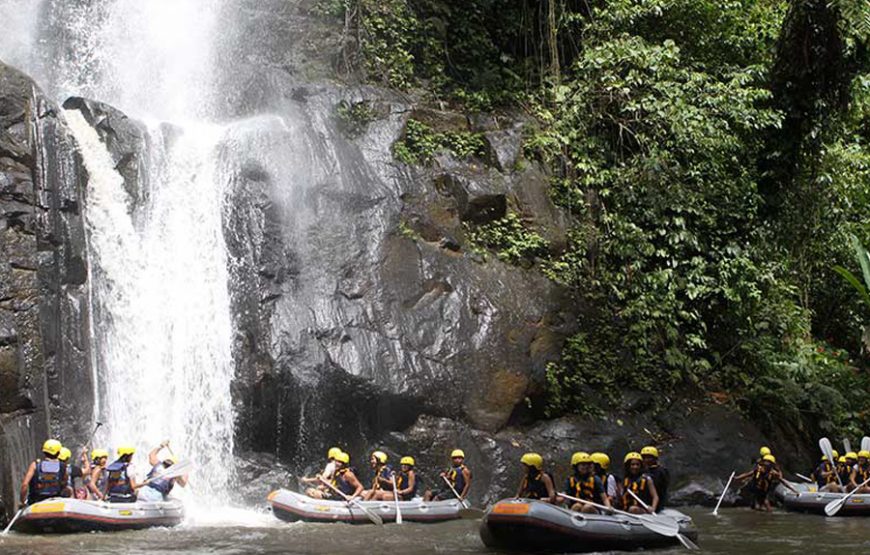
column 854, row 282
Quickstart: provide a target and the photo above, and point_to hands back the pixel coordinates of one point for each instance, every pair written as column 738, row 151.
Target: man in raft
column 317, row 489
column 536, row 484
column 76, row 472
column 120, row 485
column 640, row 484
column 382, row 483
column 861, row 473
column 47, row 477
column 458, row 476
column 344, row 479
column 585, row 484
column 659, row 474
column 825, row 474
column 156, row 488
column 762, row 478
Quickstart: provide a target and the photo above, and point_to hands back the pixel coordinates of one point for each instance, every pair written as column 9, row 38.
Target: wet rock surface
column 45, row 379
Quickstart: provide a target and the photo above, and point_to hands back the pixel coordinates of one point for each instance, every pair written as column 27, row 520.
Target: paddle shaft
column 721, row 497
column 834, row 507
column 396, row 497
column 449, row 485
column 350, row 501
column 11, row 522
column 687, row 543
column 173, row 471
column 865, row 443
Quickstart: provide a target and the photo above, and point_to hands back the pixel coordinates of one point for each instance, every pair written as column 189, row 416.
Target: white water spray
column 159, row 279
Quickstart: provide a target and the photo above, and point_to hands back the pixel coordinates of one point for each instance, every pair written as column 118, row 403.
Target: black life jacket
column 661, row 479
column 534, row 487
column 384, row 473
column 163, row 485
column 862, row 473
column 845, row 472
column 639, row 485
column 821, row 480
column 402, row 481
column 49, row 480
column 118, row 485
column 761, row 479
column 585, row 488
column 457, row 478
column 340, row 482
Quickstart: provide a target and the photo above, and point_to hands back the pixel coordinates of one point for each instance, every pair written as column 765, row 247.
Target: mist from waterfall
column 162, row 323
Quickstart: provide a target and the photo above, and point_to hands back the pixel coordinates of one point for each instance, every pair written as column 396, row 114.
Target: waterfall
column 161, row 305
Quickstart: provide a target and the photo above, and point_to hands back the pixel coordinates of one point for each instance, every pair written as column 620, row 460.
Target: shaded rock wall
column 45, row 377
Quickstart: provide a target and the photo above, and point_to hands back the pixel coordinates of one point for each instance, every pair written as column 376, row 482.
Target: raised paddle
column 687, row 543
column 721, row 497
column 396, row 497
column 668, row 528
column 467, row 512
column 805, row 478
column 178, row 469
column 834, row 506
column 828, row 451
column 847, row 445
column 865, row 443
column 353, row 502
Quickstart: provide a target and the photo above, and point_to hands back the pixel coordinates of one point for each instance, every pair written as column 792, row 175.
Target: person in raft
column 861, row 473
column 119, row 484
column 76, row 472
column 407, row 482
column 640, row 484
column 585, row 484
column 382, row 484
column 156, row 488
column 458, row 476
column 46, row 477
column 536, row 484
column 344, row 479
column 96, row 481
column 318, row 488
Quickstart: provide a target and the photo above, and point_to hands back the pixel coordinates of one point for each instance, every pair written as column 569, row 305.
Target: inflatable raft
column 290, row 506
column 525, row 525
column 62, row 515
column 811, row 500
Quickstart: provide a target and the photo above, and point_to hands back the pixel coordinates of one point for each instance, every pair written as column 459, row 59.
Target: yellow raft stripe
column 48, row 508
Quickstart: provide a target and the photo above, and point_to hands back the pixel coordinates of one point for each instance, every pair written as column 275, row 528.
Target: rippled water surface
column 734, row 531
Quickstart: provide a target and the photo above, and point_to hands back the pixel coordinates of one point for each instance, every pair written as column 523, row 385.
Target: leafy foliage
column 420, row 143
column 511, row 240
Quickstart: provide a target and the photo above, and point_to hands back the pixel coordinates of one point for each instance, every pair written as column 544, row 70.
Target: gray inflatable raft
column 526, row 525
column 811, row 500
column 290, row 506
column 62, row 515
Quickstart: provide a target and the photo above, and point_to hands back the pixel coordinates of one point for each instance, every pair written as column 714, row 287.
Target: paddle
column 467, row 512
column 396, row 497
column 668, row 527
column 865, row 443
column 847, row 445
column 353, row 502
column 11, row 522
column 805, row 478
column 687, row 543
column 828, row 451
column 174, row 471
column 721, row 497
column 834, row 506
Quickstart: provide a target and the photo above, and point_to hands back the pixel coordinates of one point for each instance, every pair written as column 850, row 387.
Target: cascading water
column 159, row 278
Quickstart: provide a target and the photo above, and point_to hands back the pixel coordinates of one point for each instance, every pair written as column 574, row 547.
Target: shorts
column 150, row 494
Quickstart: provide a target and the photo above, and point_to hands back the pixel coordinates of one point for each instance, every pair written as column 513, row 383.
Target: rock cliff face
column 45, row 378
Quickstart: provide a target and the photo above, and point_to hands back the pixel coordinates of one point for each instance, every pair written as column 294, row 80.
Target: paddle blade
column 865, row 443
column 834, row 507
column 376, row 518
column 660, row 525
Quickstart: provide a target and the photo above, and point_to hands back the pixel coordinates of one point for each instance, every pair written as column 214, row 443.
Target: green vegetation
column 354, row 117
column 510, row 238
column 714, row 156
column 421, row 143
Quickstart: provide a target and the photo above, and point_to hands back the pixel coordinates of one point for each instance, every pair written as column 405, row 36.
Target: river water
column 733, row 531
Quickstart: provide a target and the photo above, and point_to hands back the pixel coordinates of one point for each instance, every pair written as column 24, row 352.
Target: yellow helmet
column 580, row 457
column 125, row 449
column 407, row 460
column 99, row 454
column 533, row 459
column 824, row 457
column 380, row 456
column 457, row 453
column 835, row 454
column 51, row 447
column 633, row 456
column 842, row 460
column 852, row 455
column 650, row 451
column 601, row 459
column 171, row 459
column 64, row 454
column 770, row 458
column 764, row 451
column 864, row 454
column 333, row 451
column 342, row 457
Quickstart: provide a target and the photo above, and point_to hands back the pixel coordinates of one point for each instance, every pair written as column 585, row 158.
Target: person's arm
column 181, row 480
column 86, row 462
column 853, row 478
column 153, row 457
column 551, row 490
column 654, row 495
column 744, row 476
column 25, row 483
column 602, row 491
column 522, row 487
column 92, row 484
column 467, row 475
column 352, row 480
